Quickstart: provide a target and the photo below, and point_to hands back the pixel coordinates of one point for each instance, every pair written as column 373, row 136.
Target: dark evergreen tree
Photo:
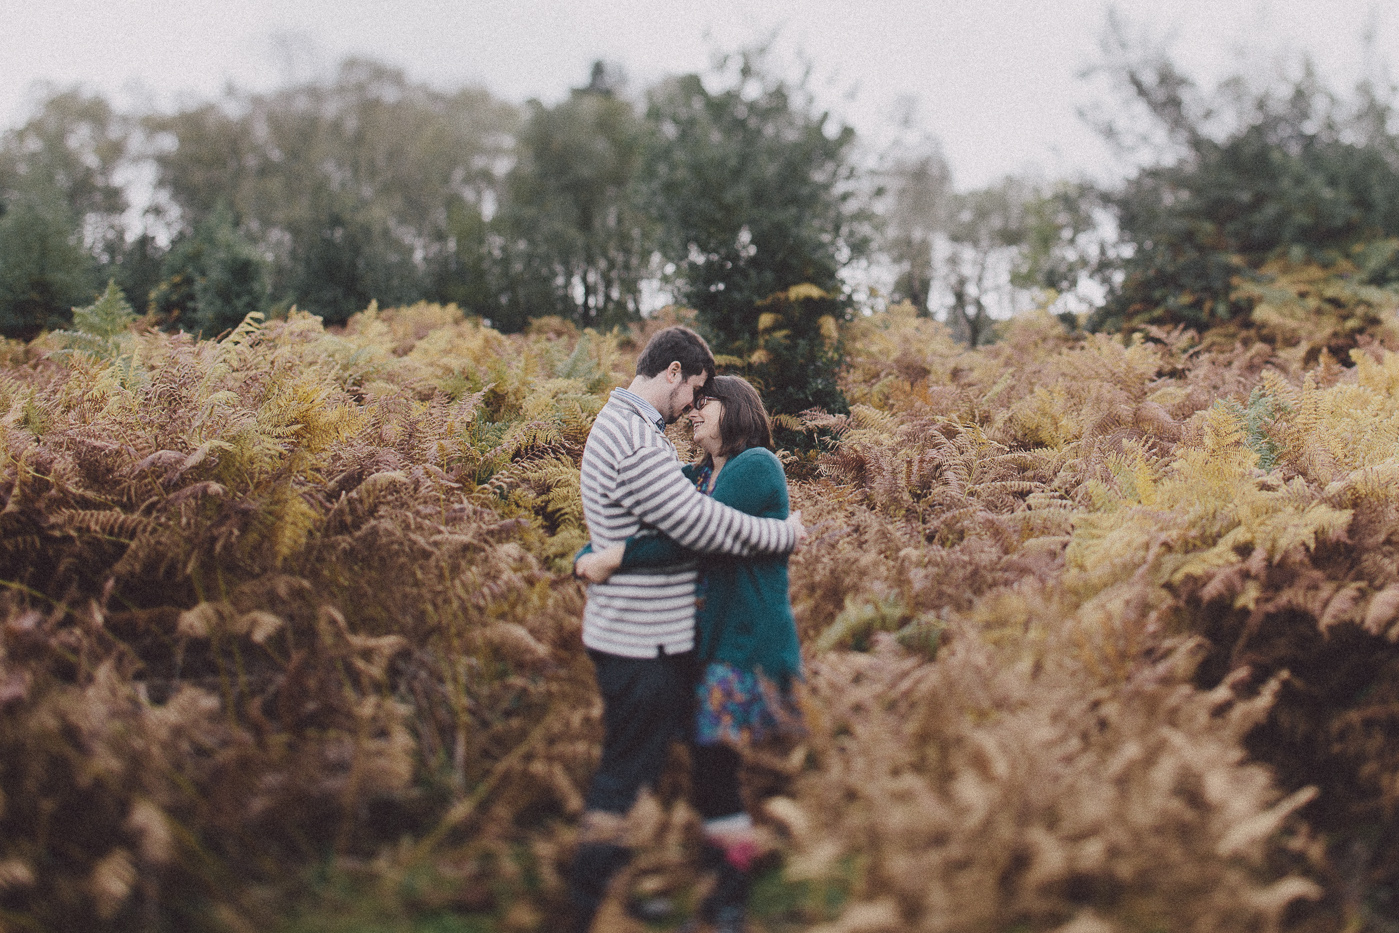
column 212, row 278
column 137, row 268
column 753, row 188
column 343, row 263
column 44, row 269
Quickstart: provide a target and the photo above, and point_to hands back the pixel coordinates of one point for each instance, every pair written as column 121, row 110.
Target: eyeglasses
column 702, row 400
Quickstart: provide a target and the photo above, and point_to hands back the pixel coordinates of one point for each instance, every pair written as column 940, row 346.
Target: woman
column 745, row 638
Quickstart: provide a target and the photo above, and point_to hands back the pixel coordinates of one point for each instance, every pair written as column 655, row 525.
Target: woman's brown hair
column 744, row 423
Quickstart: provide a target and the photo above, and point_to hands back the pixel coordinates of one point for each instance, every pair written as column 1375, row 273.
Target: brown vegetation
column 1100, row 633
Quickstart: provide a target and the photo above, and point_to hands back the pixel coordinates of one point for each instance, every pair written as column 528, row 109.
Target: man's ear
column 674, row 371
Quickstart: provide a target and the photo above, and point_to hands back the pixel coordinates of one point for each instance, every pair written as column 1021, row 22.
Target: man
column 639, row 627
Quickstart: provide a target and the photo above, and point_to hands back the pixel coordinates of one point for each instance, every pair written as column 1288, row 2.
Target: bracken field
column 1100, row 630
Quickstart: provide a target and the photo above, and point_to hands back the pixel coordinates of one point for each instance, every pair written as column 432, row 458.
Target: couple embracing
column 688, row 621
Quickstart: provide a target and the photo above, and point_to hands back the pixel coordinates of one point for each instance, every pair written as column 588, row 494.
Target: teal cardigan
column 744, row 617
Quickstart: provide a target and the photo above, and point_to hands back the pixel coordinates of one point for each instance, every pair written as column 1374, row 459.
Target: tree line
column 732, row 192
column 368, row 186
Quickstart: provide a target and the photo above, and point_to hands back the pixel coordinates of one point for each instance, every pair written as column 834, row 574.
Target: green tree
column 974, row 257
column 576, row 239
column 72, row 152
column 137, row 268
column 464, row 269
column 754, row 189
column 341, row 260
column 1234, row 177
column 985, row 230
column 1066, row 232
column 61, row 208
column 359, row 187
column 913, row 200
column 44, row 269
column 212, row 278
column 1010, row 246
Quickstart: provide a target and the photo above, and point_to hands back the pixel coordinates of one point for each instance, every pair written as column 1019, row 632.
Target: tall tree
column 212, row 278
column 1236, row 175
column 754, row 189
column 914, row 198
column 73, row 151
column 575, row 233
column 464, row 269
column 137, row 268
column 61, row 207
column 1010, row 246
column 355, row 185
column 44, row 269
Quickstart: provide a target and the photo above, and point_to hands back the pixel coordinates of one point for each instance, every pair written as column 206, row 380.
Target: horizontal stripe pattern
column 631, row 483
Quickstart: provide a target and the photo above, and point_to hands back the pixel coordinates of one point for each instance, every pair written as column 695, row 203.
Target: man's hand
column 795, row 520
column 597, row 566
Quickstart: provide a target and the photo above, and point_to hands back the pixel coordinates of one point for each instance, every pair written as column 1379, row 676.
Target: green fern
column 1257, row 416
column 102, row 331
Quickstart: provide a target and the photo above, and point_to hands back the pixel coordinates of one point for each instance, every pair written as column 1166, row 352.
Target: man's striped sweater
column 631, row 483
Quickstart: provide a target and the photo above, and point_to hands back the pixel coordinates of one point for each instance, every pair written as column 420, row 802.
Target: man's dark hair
column 672, row 344
column 744, row 423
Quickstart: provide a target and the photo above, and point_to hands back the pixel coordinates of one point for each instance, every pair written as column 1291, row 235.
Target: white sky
column 997, row 81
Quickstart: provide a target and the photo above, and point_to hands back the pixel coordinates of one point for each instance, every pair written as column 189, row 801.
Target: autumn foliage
column 1100, row 631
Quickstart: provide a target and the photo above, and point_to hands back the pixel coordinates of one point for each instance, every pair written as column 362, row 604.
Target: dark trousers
column 646, row 705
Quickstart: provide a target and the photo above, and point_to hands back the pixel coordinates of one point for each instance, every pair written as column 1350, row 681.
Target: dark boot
column 594, row 865
column 728, row 903
column 726, row 907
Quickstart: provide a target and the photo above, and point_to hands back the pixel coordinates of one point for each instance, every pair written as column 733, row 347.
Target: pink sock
column 741, row 854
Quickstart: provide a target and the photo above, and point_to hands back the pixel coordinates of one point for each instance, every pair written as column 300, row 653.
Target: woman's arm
column 654, row 551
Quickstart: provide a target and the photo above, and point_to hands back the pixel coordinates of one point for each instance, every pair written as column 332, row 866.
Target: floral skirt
column 735, row 706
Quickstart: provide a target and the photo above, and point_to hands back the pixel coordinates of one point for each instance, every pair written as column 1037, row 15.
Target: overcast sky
column 998, row 82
